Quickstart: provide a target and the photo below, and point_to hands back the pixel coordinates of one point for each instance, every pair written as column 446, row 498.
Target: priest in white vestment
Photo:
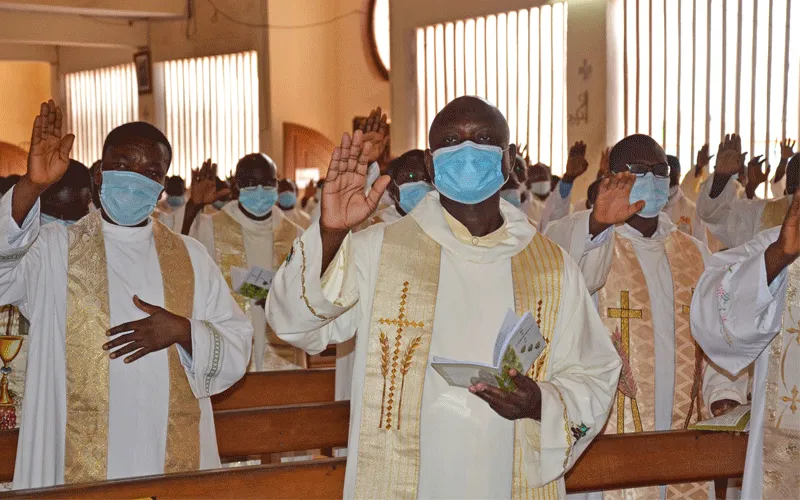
column 115, row 284
column 736, row 220
column 643, row 270
column 171, row 209
column 250, row 231
column 427, row 286
column 746, row 309
column 287, row 202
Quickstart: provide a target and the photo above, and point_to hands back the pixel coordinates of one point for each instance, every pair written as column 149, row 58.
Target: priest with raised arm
column 439, row 283
column 747, row 308
column 133, row 327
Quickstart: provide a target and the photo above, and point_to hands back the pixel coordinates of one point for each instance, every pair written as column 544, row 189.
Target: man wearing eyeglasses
column 250, row 231
column 643, row 271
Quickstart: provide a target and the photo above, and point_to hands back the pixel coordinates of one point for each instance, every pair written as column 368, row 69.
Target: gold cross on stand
column 625, row 314
column 400, row 358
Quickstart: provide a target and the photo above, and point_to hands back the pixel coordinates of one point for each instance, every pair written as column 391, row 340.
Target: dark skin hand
column 525, row 401
column 723, row 406
column 730, row 162
column 203, row 192
column 576, row 162
column 755, row 176
column 158, row 331
column 786, row 249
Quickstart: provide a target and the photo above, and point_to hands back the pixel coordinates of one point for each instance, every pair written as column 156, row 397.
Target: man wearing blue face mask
column 451, row 269
column 643, row 269
column 172, row 208
column 287, row 201
column 67, row 201
column 132, row 326
column 251, row 232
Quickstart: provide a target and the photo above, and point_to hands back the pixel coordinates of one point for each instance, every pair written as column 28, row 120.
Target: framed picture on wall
column 144, row 72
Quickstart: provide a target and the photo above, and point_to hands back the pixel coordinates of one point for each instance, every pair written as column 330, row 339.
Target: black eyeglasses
column 639, row 170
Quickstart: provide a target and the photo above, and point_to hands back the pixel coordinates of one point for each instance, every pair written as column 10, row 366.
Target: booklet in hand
column 518, row 345
column 253, row 283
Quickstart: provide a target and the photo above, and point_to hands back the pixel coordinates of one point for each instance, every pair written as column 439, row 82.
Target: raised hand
column 754, row 173
column 786, row 248
column 787, row 148
column 204, row 185
column 703, row 160
column 158, row 331
column 344, row 204
column 525, row 401
column 605, row 163
column 613, row 205
column 49, row 155
column 730, row 159
column 375, row 132
column 576, row 162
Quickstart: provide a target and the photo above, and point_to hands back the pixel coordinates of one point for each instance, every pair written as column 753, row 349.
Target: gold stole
column 624, row 306
column 88, row 318
column 230, row 252
column 782, row 414
column 774, row 213
column 399, row 340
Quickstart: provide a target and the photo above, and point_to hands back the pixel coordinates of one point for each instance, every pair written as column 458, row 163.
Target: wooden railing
column 246, row 426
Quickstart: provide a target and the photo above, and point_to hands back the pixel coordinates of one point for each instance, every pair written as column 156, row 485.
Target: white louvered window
column 721, row 66
column 211, row 108
column 516, row 60
column 98, row 101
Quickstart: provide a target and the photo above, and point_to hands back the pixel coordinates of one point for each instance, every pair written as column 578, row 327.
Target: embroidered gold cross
column 794, row 400
column 687, row 309
column 625, row 314
column 400, row 359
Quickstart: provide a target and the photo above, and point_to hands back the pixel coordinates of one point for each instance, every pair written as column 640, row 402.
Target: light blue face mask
column 287, row 199
column 468, row 173
column 512, row 196
column 175, row 201
column 654, row 191
column 258, row 200
column 128, row 198
column 49, row 219
column 411, row 193
column 219, row 204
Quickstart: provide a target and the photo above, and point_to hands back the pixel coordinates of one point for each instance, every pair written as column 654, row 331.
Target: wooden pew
column 610, row 462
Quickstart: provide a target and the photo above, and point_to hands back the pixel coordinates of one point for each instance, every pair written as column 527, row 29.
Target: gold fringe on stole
column 537, row 274
column 283, row 238
column 625, row 310
column 774, row 213
column 781, row 447
column 229, row 251
column 88, row 313
column 397, row 357
column 401, row 326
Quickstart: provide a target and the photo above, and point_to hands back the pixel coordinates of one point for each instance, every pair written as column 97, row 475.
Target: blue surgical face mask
column 512, row 196
column 468, row 173
column 411, row 193
column 128, row 198
column 175, row 201
column 47, row 219
column 654, row 191
column 219, row 204
column 287, row 199
column 258, row 200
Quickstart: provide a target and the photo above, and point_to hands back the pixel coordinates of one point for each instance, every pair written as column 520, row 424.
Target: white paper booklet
column 518, row 344
column 736, row 420
column 253, row 283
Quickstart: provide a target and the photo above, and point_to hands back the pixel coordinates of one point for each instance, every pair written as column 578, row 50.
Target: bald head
column 636, row 149
column 469, row 118
column 256, row 169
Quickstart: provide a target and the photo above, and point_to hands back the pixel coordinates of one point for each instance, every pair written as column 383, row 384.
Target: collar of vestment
column 513, row 237
column 257, row 227
column 665, row 228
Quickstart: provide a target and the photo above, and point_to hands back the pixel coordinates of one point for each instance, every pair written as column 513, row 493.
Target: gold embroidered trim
column 303, row 281
column 567, row 430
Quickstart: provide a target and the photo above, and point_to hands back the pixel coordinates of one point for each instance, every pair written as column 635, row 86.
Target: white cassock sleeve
column 222, row 335
column 557, row 206
column 593, row 255
column 301, row 307
column 778, row 188
column 735, row 314
column 14, row 256
column 733, row 220
column 691, row 184
column 581, row 382
column 203, row 231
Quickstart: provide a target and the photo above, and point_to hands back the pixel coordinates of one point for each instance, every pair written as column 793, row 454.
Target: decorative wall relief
column 581, row 114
